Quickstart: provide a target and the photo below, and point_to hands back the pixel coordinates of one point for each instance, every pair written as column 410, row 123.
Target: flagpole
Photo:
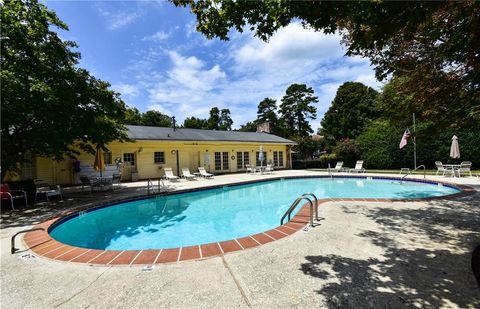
column 414, row 144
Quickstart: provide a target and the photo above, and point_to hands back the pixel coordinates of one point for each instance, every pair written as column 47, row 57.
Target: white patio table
column 453, row 168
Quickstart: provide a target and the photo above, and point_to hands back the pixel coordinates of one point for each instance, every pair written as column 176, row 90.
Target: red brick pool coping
column 43, row 245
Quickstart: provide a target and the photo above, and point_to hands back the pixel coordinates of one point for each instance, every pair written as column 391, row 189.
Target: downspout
column 290, row 155
column 178, row 163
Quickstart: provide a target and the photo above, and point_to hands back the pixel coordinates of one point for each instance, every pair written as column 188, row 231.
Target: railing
column 420, row 166
column 292, row 207
column 12, row 241
column 330, row 171
column 151, row 186
column 316, row 203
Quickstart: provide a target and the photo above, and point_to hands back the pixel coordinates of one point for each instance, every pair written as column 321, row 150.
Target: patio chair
column 465, row 167
column 169, row 174
column 358, row 167
column 440, row 168
column 11, row 195
column 269, row 169
column 204, row 172
column 44, row 188
column 338, row 167
column 90, row 182
column 186, row 174
column 250, row 169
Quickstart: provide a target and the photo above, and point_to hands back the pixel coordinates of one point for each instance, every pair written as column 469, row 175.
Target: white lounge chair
column 338, row 167
column 358, row 167
column 465, row 167
column 186, row 174
column 169, row 174
column 204, row 172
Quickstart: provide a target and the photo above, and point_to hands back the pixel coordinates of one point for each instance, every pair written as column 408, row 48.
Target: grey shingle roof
column 161, row 133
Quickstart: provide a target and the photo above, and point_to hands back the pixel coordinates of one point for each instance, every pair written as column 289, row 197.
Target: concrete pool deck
column 362, row 255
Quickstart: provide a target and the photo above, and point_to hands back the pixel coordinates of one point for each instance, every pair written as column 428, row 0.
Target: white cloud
column 157, row 36
column 119, row 19
column 188, row 81
column 290, row 45
column 248, row 71
column 126, row 89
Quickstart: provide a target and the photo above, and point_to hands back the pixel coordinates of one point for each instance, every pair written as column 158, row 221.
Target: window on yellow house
column 278, row 158
column 221, row 161
column 243, row 159
column 129, row 158
column 107, row 157
column 159, row 157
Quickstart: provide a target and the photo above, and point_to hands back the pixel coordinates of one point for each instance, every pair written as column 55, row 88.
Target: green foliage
column 347, row 150
column 225, row 122
column 214, row 119
column 156, row 119
column 150, row 118
column 267, row 109
column 250, row 126
column 328, row 159
column 378, row 145
column 133, row 116
column 49, row 105
column 351, row 111
column 307, row 148
column 194, row 123
column 296, row 109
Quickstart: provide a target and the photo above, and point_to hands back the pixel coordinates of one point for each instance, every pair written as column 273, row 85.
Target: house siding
column 190, row 154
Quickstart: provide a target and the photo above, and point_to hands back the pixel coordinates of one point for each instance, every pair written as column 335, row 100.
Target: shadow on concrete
column 407, row 276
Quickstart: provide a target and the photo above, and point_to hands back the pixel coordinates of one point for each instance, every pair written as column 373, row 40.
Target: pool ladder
column 420, row 166
column 151, row 186
column 313, row 207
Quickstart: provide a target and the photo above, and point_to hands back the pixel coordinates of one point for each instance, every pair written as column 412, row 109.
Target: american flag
column 405, row 137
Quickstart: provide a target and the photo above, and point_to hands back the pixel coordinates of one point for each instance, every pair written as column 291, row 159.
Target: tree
column 296, row 109
column 194, row 123
column 434, row 44
column 156, row 119
column 351, row 111
column 250, row 126
column 50, row 107
column 214, row 119
column 225, row 122
column 267, row 111
column 133, row 116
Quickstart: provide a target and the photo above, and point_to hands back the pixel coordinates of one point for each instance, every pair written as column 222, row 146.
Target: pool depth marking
column 43, row 245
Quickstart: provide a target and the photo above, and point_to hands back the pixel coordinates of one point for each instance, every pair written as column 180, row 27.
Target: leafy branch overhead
column 50, row 107
column 432, row 44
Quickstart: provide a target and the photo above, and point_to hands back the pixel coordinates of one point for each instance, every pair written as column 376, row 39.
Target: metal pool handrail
column 151, row 185
column 316, row 203
column 294, row 205
column 424, row 173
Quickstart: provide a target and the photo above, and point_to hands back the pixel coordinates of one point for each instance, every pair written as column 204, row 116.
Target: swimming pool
column 215, row 215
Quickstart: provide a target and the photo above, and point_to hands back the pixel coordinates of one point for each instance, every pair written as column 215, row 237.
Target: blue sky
column 150, row 52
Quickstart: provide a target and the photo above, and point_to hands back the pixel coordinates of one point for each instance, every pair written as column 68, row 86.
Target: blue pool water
column 217, row 214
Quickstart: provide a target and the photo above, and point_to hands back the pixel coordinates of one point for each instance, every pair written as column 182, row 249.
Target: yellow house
column 154, row 148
